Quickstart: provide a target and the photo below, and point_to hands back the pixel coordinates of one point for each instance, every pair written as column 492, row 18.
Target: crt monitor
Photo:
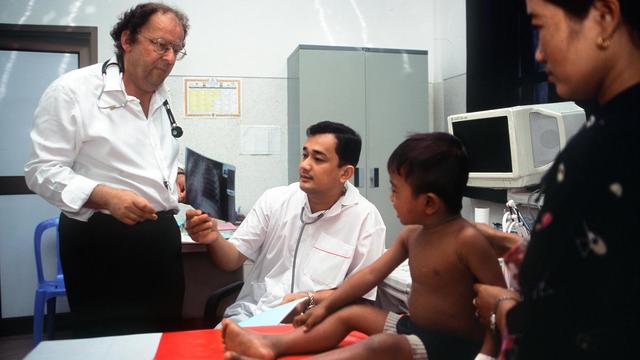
column 513, row 147
column 210, row 186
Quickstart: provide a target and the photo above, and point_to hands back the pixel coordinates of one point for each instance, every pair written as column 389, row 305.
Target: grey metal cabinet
column 380, row 93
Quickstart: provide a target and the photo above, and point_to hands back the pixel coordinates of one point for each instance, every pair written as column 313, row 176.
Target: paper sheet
column 273, row 316
column 259, row 140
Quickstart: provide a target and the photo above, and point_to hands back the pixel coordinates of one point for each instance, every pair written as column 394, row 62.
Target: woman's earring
column 602, row 43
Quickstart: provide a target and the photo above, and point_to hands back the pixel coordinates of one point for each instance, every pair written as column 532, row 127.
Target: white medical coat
column 348, row 237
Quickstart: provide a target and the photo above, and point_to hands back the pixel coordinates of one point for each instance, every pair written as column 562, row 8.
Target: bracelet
column 312, row 300
column 492, row 317
column 180, row 171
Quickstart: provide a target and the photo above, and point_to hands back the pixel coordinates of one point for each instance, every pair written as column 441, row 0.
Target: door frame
column 80, row 40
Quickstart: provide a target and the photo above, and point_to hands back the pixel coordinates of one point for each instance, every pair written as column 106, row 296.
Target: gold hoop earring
column 603, row 43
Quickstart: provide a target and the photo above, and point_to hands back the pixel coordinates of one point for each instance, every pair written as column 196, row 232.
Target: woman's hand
column 486, row 303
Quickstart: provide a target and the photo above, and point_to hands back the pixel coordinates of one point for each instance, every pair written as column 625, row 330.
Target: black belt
column 166, row 213
column 160, row 214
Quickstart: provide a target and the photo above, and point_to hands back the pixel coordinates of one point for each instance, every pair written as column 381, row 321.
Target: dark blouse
column 580, row 278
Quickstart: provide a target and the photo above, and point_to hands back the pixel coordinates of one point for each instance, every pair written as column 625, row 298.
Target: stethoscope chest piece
column 176, row 131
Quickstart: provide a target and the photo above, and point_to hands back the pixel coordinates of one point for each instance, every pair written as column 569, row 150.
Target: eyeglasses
column 161, row 46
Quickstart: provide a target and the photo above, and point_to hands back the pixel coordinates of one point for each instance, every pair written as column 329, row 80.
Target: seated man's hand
column 311, row 317
column 201, row 228
column 293, row 296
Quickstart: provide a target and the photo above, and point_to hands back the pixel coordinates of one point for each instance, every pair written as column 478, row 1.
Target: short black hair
column 348, row 143
column 135, row 18
column 433, row 163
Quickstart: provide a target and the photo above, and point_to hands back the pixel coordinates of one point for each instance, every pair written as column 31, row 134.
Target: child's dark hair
column 433, row 163
column 348, row 143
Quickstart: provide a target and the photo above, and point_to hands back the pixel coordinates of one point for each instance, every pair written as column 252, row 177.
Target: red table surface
column 207, row 344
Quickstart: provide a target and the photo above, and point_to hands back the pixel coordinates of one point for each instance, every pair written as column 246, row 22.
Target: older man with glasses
column 103, row 152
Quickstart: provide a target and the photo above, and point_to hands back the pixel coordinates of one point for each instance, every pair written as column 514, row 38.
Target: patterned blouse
column 580, row 277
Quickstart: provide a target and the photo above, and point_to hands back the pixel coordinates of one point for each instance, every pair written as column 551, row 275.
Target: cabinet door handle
column 373, row 178
column 356, row 177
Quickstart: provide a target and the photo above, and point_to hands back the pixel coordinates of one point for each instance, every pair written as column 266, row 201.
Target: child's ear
column 432, row 203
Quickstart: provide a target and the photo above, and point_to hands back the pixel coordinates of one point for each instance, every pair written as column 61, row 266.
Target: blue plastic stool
column 47, row 290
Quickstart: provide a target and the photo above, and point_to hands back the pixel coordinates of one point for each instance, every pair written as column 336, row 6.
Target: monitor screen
column 487, row 143
column 210, row 186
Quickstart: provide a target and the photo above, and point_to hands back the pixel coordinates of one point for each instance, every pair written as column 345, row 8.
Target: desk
column 201, row 278
column 139, row 346
column 192, row 345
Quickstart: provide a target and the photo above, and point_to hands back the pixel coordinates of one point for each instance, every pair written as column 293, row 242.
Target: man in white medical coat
column 304, row 238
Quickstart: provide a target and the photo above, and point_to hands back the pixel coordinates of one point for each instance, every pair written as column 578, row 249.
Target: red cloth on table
column 207, row 344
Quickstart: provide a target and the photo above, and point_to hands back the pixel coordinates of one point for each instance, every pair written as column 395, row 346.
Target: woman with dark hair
column 580, row 277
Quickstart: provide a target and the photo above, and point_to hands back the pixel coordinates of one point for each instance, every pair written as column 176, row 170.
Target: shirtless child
column 447, row 255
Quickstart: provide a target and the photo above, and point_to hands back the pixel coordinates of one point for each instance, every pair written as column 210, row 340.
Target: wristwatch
column 312, row 300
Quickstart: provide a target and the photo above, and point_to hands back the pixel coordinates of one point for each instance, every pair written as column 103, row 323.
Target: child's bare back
column 445, row 262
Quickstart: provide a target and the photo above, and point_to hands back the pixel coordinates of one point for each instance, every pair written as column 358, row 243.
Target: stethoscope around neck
column 295, row 253
column 176, row 131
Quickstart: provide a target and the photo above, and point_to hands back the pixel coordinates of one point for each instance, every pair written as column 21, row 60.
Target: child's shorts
column 430, row 345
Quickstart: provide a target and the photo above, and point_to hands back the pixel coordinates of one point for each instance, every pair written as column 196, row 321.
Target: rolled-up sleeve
column 56, row 138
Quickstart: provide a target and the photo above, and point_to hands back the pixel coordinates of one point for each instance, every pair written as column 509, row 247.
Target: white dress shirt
column 349, row 236
column 82, row 136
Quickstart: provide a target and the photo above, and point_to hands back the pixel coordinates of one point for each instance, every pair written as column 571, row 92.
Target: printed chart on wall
column 212, row 97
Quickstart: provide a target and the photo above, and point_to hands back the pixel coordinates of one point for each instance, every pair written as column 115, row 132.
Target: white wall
column 251, row 40
column 249, row 37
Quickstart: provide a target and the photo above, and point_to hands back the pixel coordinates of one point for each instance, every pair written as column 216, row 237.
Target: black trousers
column 122, row 279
